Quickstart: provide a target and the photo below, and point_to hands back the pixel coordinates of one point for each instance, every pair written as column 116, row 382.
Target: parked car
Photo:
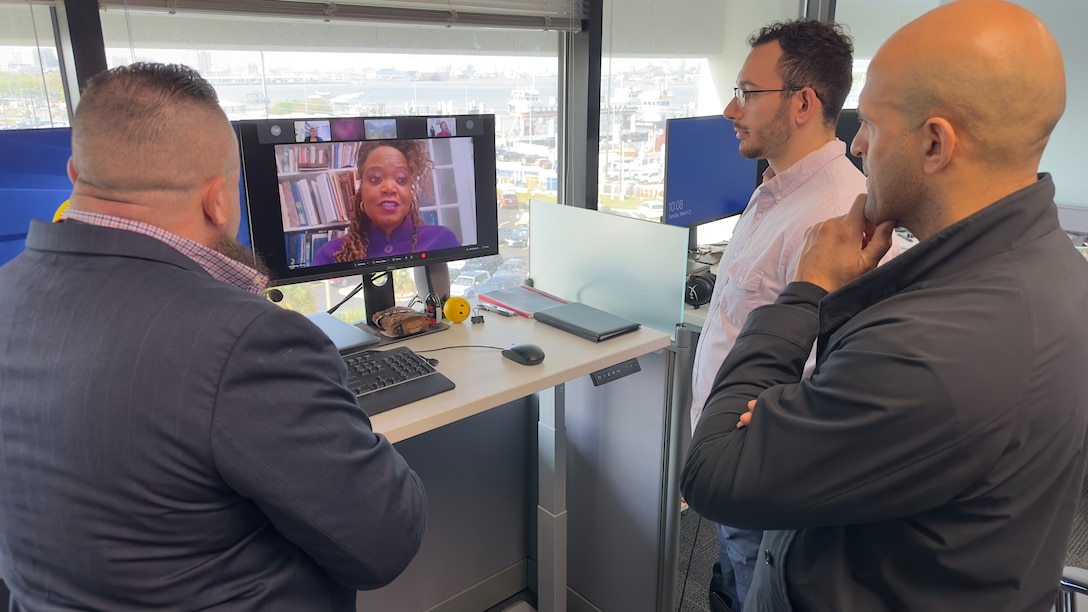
column 499, row 281
column 468, row 280
column 509, row 200
column 514, row 265
column 518, row 238
column 455, row 267
column 651, row 209
column 490, row 263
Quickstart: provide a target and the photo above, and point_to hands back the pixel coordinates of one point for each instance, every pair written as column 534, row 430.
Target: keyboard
column 390, row 378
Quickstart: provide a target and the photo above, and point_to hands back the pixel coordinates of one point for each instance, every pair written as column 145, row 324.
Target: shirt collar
column 782, row 185
column 1020, row 217
column 216, row 264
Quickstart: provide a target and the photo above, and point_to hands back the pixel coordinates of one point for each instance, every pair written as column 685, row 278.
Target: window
column 359, row 69
column 31, row 88
column 869, row 23
column 660, row 61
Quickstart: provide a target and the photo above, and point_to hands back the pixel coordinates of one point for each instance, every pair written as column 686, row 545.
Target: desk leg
column 551, row 512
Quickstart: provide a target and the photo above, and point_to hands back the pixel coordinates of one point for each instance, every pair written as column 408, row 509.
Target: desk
column 486, row 380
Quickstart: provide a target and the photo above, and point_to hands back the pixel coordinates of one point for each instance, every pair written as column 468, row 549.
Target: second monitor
column 706, row 178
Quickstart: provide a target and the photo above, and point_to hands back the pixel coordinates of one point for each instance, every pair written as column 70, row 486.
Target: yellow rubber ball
column 457, row 309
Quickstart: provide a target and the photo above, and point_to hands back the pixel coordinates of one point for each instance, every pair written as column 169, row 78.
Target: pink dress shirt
column 762, row 257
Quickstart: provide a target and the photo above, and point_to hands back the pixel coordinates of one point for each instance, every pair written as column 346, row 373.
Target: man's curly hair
column 419, row 165
column 816, row 54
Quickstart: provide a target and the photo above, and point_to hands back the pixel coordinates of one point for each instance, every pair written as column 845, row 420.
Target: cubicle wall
column 622, row 495
column 475, row 548
column 616, row 462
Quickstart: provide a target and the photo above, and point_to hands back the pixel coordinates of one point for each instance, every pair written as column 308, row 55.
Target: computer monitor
column 332, row 197
column 34, row 183
column 706, row 178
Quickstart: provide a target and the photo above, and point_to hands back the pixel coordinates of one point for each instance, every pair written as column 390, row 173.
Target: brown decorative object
column 400, row 321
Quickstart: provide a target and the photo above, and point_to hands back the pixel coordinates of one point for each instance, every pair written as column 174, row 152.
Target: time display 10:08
column 676, row 209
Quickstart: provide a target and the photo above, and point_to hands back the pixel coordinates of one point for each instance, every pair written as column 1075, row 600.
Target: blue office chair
column 1074, row 582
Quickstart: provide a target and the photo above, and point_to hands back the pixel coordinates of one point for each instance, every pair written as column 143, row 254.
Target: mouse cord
column 350, row 295
column 497, row 348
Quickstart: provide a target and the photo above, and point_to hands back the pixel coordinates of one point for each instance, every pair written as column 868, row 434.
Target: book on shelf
column 343, row 154
column 321, row 198
column 313, row 157
column 291, row 201
column 305, row 191
column 524, row 300
column 344, row 191
column 294, row 158
column 301, row 246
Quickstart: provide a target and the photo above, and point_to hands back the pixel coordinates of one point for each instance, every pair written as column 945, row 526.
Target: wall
column 871, row 21
column 1065, row 157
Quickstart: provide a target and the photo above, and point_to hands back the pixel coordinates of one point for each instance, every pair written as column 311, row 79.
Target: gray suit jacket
column 169, row 441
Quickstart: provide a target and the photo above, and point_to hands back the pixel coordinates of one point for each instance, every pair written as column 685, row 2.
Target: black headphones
column 698, row 288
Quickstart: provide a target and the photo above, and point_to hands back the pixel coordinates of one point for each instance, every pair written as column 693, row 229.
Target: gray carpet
column 1077, row 555
column 698, row 552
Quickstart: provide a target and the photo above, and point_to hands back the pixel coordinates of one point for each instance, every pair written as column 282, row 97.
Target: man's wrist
column 801, row 292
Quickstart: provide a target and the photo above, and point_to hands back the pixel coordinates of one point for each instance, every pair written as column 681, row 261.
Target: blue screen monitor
column 34, row 183
column 706, row 179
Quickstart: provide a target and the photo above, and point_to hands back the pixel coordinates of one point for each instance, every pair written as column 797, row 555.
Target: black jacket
column 934, row 459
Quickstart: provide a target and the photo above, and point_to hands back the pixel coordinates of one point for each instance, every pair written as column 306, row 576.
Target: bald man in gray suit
column 168, row 438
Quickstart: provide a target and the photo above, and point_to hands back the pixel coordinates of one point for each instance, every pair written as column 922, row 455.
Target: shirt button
column 768, row 558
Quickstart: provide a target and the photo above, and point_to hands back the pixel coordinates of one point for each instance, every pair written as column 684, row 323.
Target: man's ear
column 216, row 201
column 72, row 174
column 808, row 106
column 938, row 143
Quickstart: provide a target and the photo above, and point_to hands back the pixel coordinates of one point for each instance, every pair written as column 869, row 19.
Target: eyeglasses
column 741, row 95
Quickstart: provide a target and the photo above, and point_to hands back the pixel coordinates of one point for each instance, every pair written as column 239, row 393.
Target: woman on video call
column 385, row 219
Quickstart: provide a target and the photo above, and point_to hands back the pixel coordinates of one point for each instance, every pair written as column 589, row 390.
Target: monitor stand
column 378, row 294
column 433, row 278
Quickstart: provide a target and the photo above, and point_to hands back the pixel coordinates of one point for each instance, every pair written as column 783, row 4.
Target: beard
column 771, row 138
column 233, row 249
column 895, row 192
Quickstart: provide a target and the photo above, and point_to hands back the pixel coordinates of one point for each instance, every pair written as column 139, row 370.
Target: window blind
column 558, row 15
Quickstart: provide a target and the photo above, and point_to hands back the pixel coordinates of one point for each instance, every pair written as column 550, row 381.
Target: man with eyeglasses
column 789, row 93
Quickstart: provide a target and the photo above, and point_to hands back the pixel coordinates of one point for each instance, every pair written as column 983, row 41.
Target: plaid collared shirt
column 218, row 265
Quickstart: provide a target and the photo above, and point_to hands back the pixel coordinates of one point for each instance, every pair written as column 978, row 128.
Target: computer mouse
column 524, row 353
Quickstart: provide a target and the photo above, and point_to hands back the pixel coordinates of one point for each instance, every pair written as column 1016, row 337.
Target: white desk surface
column 485, row 379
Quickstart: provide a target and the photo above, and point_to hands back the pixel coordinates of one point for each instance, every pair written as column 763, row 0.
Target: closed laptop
column 586, row 321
